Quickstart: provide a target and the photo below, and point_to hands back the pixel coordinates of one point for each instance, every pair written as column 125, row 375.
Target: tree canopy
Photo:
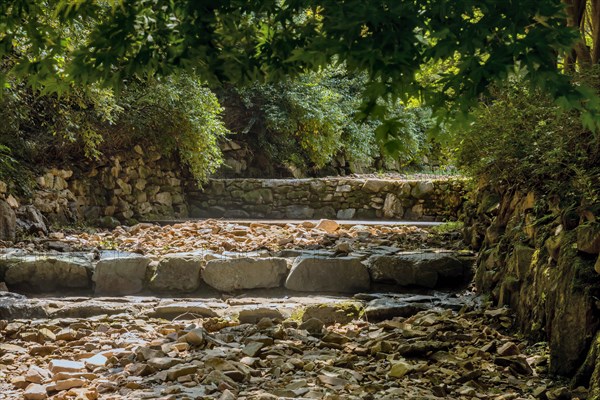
column 465, row 44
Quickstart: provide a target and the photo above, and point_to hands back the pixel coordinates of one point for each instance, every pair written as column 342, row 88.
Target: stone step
column 247, row 308
column 124, row 273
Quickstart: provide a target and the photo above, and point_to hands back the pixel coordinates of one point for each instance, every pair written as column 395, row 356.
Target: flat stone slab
column 13, row 305
column 120, row 273
column 245, row 273
column 46, row 273
column 382, row 309
column 331, row 313
column 193, row 309
column 326, row 274
column 252, row 315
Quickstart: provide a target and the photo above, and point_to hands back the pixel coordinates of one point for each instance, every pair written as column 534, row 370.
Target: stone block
column 417, row 269
column 245, row 273
column 178, row 272
column 120, row 273
column 324, row 274
column 48, row 272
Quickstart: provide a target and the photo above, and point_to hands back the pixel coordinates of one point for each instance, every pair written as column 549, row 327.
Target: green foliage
column 308, row 120
column 176, row 114
column 447, row 227
column 237, row 41
column 303, row 121
column 520, row 137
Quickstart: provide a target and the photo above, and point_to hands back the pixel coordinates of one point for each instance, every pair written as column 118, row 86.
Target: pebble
column 433, row 354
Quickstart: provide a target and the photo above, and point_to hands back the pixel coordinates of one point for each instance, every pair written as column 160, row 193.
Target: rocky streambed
column 293, row 312
column 327, row 349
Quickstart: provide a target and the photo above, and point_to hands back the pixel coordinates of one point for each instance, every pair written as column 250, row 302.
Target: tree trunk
column 595, row 18
column 575, row 17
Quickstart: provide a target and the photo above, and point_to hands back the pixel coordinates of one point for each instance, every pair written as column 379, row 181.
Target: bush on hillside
column 309, row 120
column 521, row 137
column 178, row 115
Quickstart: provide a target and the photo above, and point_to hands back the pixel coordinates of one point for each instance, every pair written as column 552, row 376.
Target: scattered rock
column 56, row 366
column 399, row 369
column 508, row 349
column 35, row 392
column 31, row 221
column 432, row 353
column 328, row 225
column 313, row 326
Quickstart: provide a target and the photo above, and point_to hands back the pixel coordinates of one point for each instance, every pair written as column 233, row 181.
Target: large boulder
column 588, row 238
column 245, row 273
column 417, row 269
column 8, row 222
column 178, row 272
column 120, row 273
column 324, row 274
column 31, row 221
column 47, row 272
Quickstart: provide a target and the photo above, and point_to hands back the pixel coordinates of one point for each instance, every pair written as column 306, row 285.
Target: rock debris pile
column 221, row 236
column 433, row 354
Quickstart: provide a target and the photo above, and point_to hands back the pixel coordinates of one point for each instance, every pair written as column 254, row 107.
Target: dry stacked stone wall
column 138, row 185
column 542, row 259
column 143, row 185
column 341, row 198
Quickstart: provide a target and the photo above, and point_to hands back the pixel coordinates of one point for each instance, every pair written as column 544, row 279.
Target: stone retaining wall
column 143, row 185
column 341, row 198
column 541, row 259
column 123, row 188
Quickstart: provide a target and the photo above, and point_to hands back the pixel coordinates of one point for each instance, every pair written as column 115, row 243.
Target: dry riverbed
column 444, row 347
column 432, row 355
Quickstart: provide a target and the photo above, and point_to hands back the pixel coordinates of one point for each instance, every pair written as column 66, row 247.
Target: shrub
column 176, row 114
column 521, row 137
